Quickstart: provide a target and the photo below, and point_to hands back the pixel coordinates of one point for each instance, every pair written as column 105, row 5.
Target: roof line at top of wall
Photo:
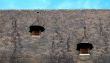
column 50, row 9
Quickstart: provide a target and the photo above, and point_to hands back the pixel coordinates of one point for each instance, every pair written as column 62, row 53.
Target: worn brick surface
column 64, row 29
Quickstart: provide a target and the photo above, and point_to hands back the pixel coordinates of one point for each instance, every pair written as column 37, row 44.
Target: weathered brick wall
column 64, row 29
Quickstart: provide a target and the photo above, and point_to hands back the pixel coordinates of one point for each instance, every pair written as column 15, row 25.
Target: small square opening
column 36, row 30
column 84, row 48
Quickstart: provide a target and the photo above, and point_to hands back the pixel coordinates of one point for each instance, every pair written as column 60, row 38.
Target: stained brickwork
column 64, row 29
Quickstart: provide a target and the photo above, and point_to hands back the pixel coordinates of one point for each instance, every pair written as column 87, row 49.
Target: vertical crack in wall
column 16, row 42
column 104, row 36
column 83, row 23
column 68, row 44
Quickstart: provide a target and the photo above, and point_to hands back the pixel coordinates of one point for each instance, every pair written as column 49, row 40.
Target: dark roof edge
column 54, row 9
